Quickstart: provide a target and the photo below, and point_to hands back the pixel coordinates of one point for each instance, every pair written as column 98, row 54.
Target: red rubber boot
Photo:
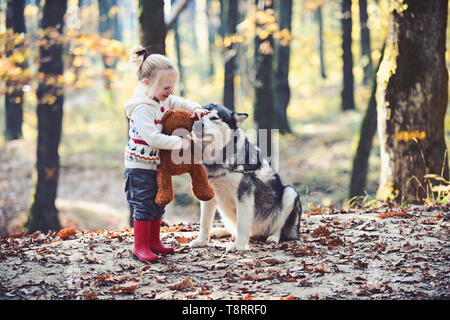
column 141, row 249
column 155, row 241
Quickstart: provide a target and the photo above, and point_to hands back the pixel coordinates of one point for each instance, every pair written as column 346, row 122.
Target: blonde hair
column 158, row 69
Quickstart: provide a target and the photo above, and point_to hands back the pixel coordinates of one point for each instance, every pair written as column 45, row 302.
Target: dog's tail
column 291, row 228
column 297, row 209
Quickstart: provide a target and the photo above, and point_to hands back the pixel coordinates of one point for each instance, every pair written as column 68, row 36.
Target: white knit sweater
column 146, row 137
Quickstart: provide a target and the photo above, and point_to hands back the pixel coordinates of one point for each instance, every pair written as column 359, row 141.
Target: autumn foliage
column 66, row 233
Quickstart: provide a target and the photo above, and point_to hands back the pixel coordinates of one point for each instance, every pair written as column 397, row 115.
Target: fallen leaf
column 321, row 231
column 90, row 296
column 335, row 243
column 126, row 290
column 360, row 265
column 183, row 284
column 323, row 268
column 182, row 239
column 204, row 293
column 289, row 279
column 65, row 233
column 394, row 214
column 272, row 261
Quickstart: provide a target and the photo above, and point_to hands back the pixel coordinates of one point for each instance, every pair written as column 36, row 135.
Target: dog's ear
column 240, row 117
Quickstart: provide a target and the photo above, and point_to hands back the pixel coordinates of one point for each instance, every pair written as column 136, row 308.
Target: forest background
column 316, row 155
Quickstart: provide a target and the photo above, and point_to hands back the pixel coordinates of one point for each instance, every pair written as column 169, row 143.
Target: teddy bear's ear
column 168, row 114
column 165, row 120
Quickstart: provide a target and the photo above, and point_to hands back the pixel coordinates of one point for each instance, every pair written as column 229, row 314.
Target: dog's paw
column 233, row 247
column 273, row 239
column 199, row 242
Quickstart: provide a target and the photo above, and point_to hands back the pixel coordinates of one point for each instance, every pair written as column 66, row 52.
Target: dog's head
column 218, row 124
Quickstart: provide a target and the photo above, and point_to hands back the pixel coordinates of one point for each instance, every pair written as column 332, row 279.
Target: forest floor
column 379, row 253
column 383, row 252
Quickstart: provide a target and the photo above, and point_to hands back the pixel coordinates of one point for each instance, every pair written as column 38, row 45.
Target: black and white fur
column 250, row 197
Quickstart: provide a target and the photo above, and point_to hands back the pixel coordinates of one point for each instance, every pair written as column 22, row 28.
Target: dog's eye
column 214, row 118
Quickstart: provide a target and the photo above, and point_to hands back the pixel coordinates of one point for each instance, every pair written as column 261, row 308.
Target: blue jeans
column 141, row 189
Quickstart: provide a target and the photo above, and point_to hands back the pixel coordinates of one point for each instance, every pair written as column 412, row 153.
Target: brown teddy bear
column 173, row 120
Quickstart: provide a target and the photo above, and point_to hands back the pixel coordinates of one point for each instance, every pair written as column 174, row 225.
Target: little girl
column 152, row 98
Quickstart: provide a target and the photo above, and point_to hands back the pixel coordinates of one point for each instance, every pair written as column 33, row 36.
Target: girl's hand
column 198, row 113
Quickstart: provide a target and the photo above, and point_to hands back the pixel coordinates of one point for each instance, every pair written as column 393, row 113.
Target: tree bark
column 347, row 94
column 368, row 129
column 15, row 20
column 230, row 8
column 366, row 58
column 282, row 92
column 43, row 212
column 321, row 49
column 263, row 105
column 152, row 25
column 177, row 41
column 222, row 18
column 212, row 30
column 109, row 29
column 412, row 100
column 264, row 109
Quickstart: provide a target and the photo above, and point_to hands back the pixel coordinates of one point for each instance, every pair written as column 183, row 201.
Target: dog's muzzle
column 197, row 129
column 199, row 132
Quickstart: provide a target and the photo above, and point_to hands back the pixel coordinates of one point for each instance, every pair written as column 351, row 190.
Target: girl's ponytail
column 138, row 56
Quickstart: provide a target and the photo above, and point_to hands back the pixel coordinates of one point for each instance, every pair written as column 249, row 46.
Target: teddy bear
column 176, row 122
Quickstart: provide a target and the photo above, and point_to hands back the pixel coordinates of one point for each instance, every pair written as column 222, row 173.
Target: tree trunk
column 177, row 41
column 366, row 58
column 263, row 105
column 368, row 129
column 152, row 25
column 230, row 8
column 43, row 212
column 282, row 92
column 412, row 99
column 15, row 20
column 109, row 29
column 264, row 110
column 222, row 18
column 321, row 50
column 212, row 30
column 348, row 101
column 191, row 13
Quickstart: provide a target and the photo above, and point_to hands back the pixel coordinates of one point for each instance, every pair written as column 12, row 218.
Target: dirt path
column 388, row 254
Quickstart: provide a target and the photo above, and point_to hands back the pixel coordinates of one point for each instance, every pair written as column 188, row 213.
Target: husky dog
column 249, row 194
